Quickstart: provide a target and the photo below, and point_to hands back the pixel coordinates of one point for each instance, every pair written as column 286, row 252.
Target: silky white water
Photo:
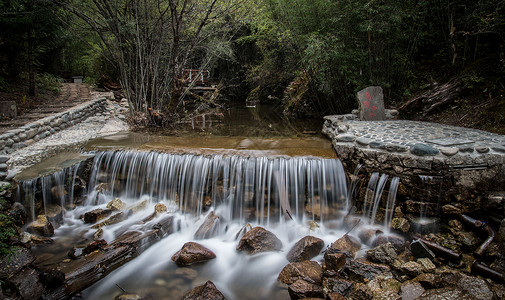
column 290, row 196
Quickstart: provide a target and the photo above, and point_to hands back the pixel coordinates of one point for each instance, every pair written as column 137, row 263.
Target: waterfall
column 390, row 206
column 256, row 189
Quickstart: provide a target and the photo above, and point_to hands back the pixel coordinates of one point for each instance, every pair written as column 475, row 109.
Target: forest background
column 310, row 57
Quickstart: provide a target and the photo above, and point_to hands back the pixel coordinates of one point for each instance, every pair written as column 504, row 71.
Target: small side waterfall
column 256, row 189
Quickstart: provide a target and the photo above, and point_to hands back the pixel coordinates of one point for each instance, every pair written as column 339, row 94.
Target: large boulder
column 192, row 253
column 41, row 227
column 346, row 244
column 259, row 240
column 309, row 271
column 334, row 261
column 116, row 204
column 206, row 291
column 209, row 227
column 27, row 284
column 305, row 249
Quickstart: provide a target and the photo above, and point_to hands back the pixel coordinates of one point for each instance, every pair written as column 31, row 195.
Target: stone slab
column 371, row 104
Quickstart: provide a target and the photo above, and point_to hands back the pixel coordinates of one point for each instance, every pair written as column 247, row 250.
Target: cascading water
column 291, row 197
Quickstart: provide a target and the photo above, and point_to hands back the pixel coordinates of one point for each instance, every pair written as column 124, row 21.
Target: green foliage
column 7, row 226
column 48, row 82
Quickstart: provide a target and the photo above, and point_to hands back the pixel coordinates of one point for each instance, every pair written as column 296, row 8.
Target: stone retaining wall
column 431, row 177
column 28, row 134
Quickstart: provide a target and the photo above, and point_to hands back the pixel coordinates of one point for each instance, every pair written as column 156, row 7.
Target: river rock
column 384, row 253
column 27, row 284
column 139, row 206
column 192, row 253
column 41, row 227
column 399, row 243
column 384, row 287
column 116, row 204
column 341, row 286
column 259, row 240
column 305, row 249
column 96, row 215
column 400, row 224
column 427, row 264
column 334, row 261
column 75, row 253
column 335, row 296
column 209, row 227
column 54, row 213
column 411, row 290
column 160, row 208
column 58, row 192
column 411, row 268
column 309, row 271
column 187, row 273
column 359, row 269
column 475, row 286
column 207, row 291
column 303, row 289
column 347, row 244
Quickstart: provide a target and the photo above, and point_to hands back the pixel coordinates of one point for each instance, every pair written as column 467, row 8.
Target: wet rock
column 384, row 288
column 58, row 192
column 27, row 284
column 192, row 253
column 128, row 296
column 305, row 249
column 75, row 253
column 334, row 261
column 411, row 290
column 116, row 204
column 469, row 239
column 96, row 215
column 114, row 219
column 160, row 208
column 259, row 240
column 384, row 253
column 448, row 293
column 449, row 151
column 368, row 235
column 347, row 244
column 209, row 227
column 450, row 210
column 427, row 265
column 411, row 268
column 359, row 269
column 429, row 281
column 501, row 234
column 54, row 213
column 41, row 227
column 309, row 271
column 207, row 291
column 423, row 150
column 94, row 246
column 475, row 286
column 420, row 250
column 400, row 224
column 18, row 213
column 11, row 264
column 341, row 286
column 303, row 289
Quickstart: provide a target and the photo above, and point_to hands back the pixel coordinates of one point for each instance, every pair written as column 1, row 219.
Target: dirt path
column 72, row 94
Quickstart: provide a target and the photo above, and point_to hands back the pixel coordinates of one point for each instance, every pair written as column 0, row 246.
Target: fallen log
column 83, row 272
column 432, row 99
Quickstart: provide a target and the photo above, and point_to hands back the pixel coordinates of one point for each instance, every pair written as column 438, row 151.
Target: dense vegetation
column 311, row 56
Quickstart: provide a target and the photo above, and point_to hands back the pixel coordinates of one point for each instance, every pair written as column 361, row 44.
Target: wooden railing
column 196, row 76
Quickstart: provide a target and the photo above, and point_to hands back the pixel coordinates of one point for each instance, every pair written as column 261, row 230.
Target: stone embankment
column 36, row 141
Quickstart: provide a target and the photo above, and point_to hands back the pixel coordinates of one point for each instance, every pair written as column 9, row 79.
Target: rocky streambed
column 128, row 234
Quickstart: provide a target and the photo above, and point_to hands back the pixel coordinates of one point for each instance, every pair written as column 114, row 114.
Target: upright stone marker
column 371, row 104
